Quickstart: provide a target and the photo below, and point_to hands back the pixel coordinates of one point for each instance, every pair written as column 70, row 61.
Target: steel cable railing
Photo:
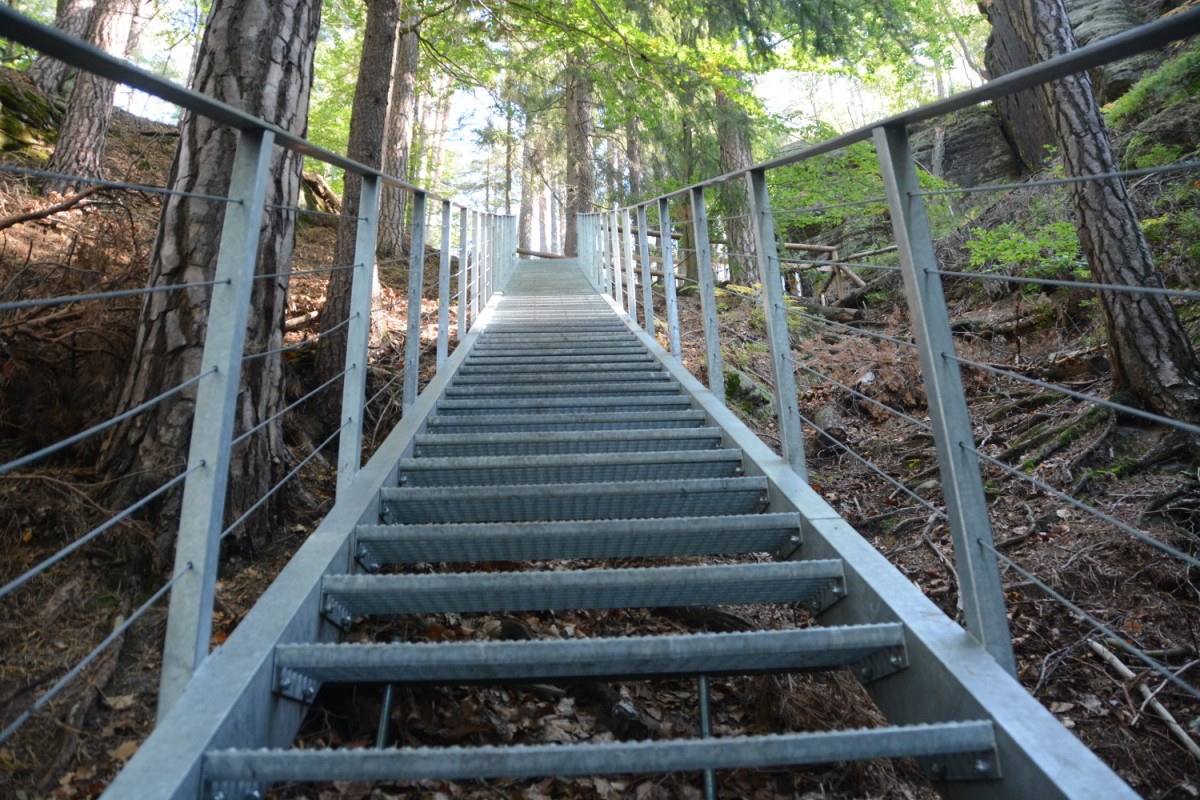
column 951, row 423
column 214, row 390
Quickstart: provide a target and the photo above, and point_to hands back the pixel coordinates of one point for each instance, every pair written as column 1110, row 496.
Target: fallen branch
column 1110, row 658
column 49, row 211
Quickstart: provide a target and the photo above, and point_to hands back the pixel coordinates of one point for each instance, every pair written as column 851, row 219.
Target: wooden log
column 521, row 251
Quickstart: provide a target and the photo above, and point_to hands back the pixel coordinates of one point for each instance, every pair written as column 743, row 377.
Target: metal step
column 611, row 420
column 563, row 443
column 608, row 538
column 586, row 468
column 547, row 361
column 648, row 587
column 605, row 368
column 599, row 405
column 562, row 377
column 589, row 351
column 963, row 749
column 625, row 658
column 615, row 500
column 564, row 389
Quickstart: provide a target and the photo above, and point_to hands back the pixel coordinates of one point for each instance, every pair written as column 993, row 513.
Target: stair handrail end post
column 980, row 588
column 668, row 257
column 358, row 333
column 443, row 334
column 643, row 239
column 416, row 277
column 791, row 435
column 202, row 512
column 708, row 298
column 463, row 321
column 630, row 267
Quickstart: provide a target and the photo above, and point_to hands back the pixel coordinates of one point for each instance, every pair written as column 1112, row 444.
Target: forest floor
column 62, row 368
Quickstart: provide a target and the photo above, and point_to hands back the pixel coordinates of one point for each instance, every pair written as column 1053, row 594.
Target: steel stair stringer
column 950, row 676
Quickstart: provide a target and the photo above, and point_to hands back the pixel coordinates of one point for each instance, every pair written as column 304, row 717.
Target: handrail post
column 647, row 278
column 198, row 547
column 615, row 256
column 416, row 278
column 668, row 258
column 708, row 299
column 443, row 340
column 463, row 275
column 358, row 331
column 778, row 338
column 603, row 248
column 476, row 272
column 631, row 283
column 979, row 584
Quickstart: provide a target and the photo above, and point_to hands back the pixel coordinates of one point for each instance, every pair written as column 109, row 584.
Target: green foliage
column 1177, row 80
column 1048, row 251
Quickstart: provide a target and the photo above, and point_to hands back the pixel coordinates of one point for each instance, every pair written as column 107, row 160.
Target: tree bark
column 530, row 183
column 633, row 157
column 368, row 132
column 1151, row 357
column 47, row 72
column 733, row 133
column 256, row 55
column 581, row 154
column 80, row 147
column 399, row 144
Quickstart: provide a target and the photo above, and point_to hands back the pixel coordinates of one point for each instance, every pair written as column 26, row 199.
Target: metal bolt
column 285, row 682
column 218, row 796
column 309, row 693
column 836, row 589
column 982, row 767
column 896, row 660
column 865, row 673
column 362, row 551
column 738, row 471
column 329, row 603
column 937, row 769
column 254, row 794
column 794, row 540
column 346, row 620
column 403, row 479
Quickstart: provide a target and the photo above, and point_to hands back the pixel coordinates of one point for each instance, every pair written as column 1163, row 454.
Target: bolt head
column 254, row 794
column 309, row 693
column 217, row 796
column 938, row 769
column 285, row 682
column 896, row 660
column 836, row 589
column 347, row 619
column 864, row 673
column 982, row 767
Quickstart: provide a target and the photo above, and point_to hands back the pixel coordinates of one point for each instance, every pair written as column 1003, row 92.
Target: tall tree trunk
column 633, row 157
column 73, row 18
column 399, row 143
column 530, row 183
column 80, row 147
column 581, row 154
column 1151, row 356
column 256, row 55
column 441, row 126
column 733, row 133
column 368, row 132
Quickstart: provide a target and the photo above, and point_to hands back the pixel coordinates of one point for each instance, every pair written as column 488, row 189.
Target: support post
column 647, row 278
column 630, row 281
column 708, row 299
column 358, row 332
column 463, row 276
column 416, row 277
column 979, row 584
column 443, row 340
column 668, row 258
column 778, row 338
column 615, row 253
column 197, row 550
column 476, row 284
column 605, row 260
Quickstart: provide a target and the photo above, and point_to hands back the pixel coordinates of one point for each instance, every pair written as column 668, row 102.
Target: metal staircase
column 560, row 431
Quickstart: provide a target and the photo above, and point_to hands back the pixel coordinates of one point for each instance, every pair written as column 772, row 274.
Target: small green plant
column 1177, row 80
column 1048, row 251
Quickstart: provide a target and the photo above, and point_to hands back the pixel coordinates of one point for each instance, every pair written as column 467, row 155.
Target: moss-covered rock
column 28, row 121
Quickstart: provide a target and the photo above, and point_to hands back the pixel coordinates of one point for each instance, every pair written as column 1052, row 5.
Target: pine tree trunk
column 581, row 154
column 441, row 122
column 633, row 157
column 399, row 145
column 256, row 55
column 47, row 72
column 529, row 183
column 733, row 133
column 80, row 147
column 1151, row 356
column 368, row 132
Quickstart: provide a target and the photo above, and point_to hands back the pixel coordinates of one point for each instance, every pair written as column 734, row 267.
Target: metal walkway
column 558, row 430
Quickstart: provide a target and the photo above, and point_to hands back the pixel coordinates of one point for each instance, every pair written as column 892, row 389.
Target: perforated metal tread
column 585, row 468
column 565, row 421
column 485, row 406
column 623, row 658
column 536, row 369
column 973, row 742
column 566, row 389
column 463, row 592
column 615, row 500
column 561, row 443
column 609, row 538
column 562, row 375
column 543, row 360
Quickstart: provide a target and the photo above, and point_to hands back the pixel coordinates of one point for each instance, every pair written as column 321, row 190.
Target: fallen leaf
column 119, row 703
column 123, row 752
